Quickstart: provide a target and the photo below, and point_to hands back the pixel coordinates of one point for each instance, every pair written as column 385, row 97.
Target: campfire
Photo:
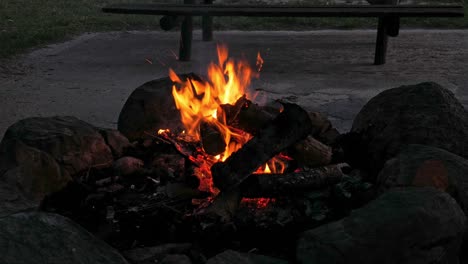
column 233, row 162
column 199, row 168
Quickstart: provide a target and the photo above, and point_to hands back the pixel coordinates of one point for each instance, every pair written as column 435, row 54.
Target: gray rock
column 176, row 259
column 43, row 238
column 234, row 257
column 404, row 225
column 148, row 254
column 13, row 200
column 116, row 141
column 424, row 114
column 419, row 165
column 127, row 166
column 149, row 108
column 39, row 156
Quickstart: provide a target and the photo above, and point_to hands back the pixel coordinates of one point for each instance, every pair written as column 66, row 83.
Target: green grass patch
column 31, row 23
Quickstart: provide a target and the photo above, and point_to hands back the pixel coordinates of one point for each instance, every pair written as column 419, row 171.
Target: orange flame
column 198, row 101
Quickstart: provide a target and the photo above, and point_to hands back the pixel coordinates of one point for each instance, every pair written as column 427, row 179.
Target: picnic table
column 388, row 13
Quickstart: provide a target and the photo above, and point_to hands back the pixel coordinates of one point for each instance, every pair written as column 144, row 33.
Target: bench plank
column 288, row 11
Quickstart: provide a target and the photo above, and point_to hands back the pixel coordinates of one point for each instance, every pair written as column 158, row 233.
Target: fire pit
column 209, row 173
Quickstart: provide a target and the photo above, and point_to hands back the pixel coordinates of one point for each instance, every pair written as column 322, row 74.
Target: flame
column 198, row 101
column 162, row 131
column 259, row 63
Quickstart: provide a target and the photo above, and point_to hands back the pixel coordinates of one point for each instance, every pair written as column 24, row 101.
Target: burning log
column 211, row 138
column 290, row 126
column 311, row 153
column 248, row 116
column 274, row 185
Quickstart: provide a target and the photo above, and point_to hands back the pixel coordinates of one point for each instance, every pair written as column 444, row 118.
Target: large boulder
column 425, row 166
column 404, row 225
column 425, row 114
column 43, row 238
column 149, row 108
column 39, row 156
column 235, row 257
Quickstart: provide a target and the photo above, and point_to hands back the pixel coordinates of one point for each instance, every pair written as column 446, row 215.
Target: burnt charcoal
column 112, row 189
column 172, row 166
column 287, row 128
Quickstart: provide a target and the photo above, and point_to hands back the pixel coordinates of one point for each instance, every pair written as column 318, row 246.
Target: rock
column 424, row 114
column 128, row 165
column 43, row 238
column 34, row 173
column 419, row 165
column 149, row 108
column 404, row 225
column 39, row 156
column 176, row 259
column 12, row 200
column 117, row 142
column 234, row 257
column 146, row 254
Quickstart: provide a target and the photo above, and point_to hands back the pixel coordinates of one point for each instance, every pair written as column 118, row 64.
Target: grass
column 31, row 23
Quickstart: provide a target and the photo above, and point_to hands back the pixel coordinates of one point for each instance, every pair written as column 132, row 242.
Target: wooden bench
column 389, row 15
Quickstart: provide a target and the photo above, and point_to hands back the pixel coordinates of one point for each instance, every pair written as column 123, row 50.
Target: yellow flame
column 199, row 101
column 162, row 131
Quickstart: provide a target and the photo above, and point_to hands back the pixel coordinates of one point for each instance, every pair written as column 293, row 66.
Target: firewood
column 274, row 185
column 287, row 128
column 311, row 153
column 323, row 129
column 211, row 138
column 247, row 116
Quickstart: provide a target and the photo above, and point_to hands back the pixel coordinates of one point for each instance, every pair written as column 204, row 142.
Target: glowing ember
column 162, row 131
column 258, row 202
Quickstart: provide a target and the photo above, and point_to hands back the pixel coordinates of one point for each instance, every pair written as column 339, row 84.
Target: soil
column 90, row 77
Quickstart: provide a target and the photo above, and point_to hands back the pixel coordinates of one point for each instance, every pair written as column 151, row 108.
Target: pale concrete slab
column 91, row 76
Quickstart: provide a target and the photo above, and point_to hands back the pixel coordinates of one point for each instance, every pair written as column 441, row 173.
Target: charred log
column 274, row 185
column 287, row 128
column 311, row 153
column 211, row 139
